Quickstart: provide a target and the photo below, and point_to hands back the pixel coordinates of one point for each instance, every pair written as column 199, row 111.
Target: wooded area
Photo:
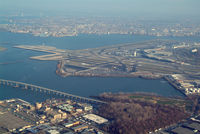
column 133, row 116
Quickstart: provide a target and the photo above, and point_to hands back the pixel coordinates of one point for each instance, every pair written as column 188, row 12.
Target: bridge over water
column 50, row 91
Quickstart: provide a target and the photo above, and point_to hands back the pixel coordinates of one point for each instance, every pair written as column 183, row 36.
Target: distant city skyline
column 123, row 8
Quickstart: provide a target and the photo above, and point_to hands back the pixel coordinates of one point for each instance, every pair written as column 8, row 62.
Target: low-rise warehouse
column 95, row 118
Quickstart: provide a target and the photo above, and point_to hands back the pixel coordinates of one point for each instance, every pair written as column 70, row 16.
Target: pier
column 32, row 87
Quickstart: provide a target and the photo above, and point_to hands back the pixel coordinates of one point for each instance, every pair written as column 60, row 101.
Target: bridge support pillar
column 25, row 87
column 7, row 83
column 4, row 83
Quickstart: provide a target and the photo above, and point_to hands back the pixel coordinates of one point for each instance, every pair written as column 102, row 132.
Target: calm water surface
column 20, row 68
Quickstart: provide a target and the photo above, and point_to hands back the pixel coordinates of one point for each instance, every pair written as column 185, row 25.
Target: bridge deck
column 53, row 91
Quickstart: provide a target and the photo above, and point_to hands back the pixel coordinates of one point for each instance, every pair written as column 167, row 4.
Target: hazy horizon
column 130, row 8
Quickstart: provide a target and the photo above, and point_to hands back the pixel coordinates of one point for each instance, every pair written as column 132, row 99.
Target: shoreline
column 141, row 75
column 175, row 86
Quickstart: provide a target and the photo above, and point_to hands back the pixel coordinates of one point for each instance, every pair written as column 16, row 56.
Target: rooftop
column 181, row 130
column 95, row 118
column 194, row 125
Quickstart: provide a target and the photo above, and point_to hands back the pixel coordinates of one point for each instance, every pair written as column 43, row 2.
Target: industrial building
column 95, row 118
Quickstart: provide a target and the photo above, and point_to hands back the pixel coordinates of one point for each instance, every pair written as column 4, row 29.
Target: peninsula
column 177, row 62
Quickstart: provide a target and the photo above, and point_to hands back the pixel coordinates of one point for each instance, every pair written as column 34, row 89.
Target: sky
column 146, row 8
